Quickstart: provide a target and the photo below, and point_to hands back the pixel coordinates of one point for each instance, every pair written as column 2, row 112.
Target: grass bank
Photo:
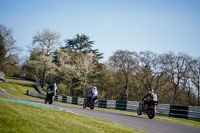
column 18, row 118
column 16, row 89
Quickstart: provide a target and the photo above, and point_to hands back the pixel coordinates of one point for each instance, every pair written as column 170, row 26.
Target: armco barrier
column 59, row 98
column 64, row 99
column 111, row 104
column 34, row 94
column 132, row 106
column 80, row 101
column 163, row 109
column 178, row 111
column 121, row 104
column 187, row 112
column 74, row 100
column 194, row 113
column 102, row 104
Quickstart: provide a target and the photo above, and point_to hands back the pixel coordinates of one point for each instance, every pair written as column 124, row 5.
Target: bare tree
column 194, row 66
column 177, row 68
column 46, row 41
column 124, row 61
column 9, row 51
column 151, row 73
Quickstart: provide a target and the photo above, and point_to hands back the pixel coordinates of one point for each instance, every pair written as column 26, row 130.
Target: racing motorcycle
column 149, row 108
column 89, row 102
column 50, row 96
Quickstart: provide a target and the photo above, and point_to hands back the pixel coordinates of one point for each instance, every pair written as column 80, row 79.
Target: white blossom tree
column 77, row 66
column 45, row 43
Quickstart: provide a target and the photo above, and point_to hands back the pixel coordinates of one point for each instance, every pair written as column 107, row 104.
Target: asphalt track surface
column 137, row 122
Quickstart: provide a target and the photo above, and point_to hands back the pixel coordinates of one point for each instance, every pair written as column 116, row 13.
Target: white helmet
column 55, row 85
column 95, row 88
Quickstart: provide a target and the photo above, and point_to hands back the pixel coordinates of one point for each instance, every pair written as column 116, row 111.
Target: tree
column 45, row 43
column 36, row 63
column 85, row 67
column 177, row 68
column 77, row 68
column 194, row 66
column 8, row 50
column 151, row 73
column 125, row 62
column 2, row 51
column 83, row 44
column 84, row 60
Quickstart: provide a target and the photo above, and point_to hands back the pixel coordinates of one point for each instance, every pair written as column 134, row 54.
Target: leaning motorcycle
column 88, row 102
column 49, row 96
column 148, row 108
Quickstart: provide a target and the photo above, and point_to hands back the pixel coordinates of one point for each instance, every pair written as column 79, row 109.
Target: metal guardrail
column 187, row 112
column 163, row 109
column 194, row 113
column 34, row 94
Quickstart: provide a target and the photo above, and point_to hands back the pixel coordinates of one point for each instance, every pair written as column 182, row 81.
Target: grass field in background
column 21, row 118
column 19, row 90
column 16, row 89
column 19, row 80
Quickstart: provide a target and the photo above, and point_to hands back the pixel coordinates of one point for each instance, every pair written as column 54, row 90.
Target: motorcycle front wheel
column 151, row 113
column 139, row 111
column 84, row 105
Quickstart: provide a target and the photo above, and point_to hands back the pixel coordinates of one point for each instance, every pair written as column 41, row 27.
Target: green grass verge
column 18, row 118
column 16, row 89
column 180, row 120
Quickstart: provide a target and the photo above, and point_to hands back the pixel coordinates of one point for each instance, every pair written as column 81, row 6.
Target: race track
column 137, row 122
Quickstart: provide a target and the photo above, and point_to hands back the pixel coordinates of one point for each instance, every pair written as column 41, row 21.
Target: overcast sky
column 159, row 26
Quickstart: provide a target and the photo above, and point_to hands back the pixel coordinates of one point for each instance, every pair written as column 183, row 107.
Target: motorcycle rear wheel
column 84, row 105
column 92, row 105
column 139, row 112
column 51, row 100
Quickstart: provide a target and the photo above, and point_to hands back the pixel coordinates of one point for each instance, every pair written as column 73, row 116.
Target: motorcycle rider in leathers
column 93, row 94
column 149, row 98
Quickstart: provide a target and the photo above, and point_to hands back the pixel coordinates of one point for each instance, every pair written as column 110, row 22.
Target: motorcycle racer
column 151, row 96
column 51, row 92
column 93, row 94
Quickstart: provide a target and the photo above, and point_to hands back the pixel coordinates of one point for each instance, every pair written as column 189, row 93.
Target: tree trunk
column 174, row 98
column 43, row 78
column 126, row 88
column 189, row 97
column 84, row 88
